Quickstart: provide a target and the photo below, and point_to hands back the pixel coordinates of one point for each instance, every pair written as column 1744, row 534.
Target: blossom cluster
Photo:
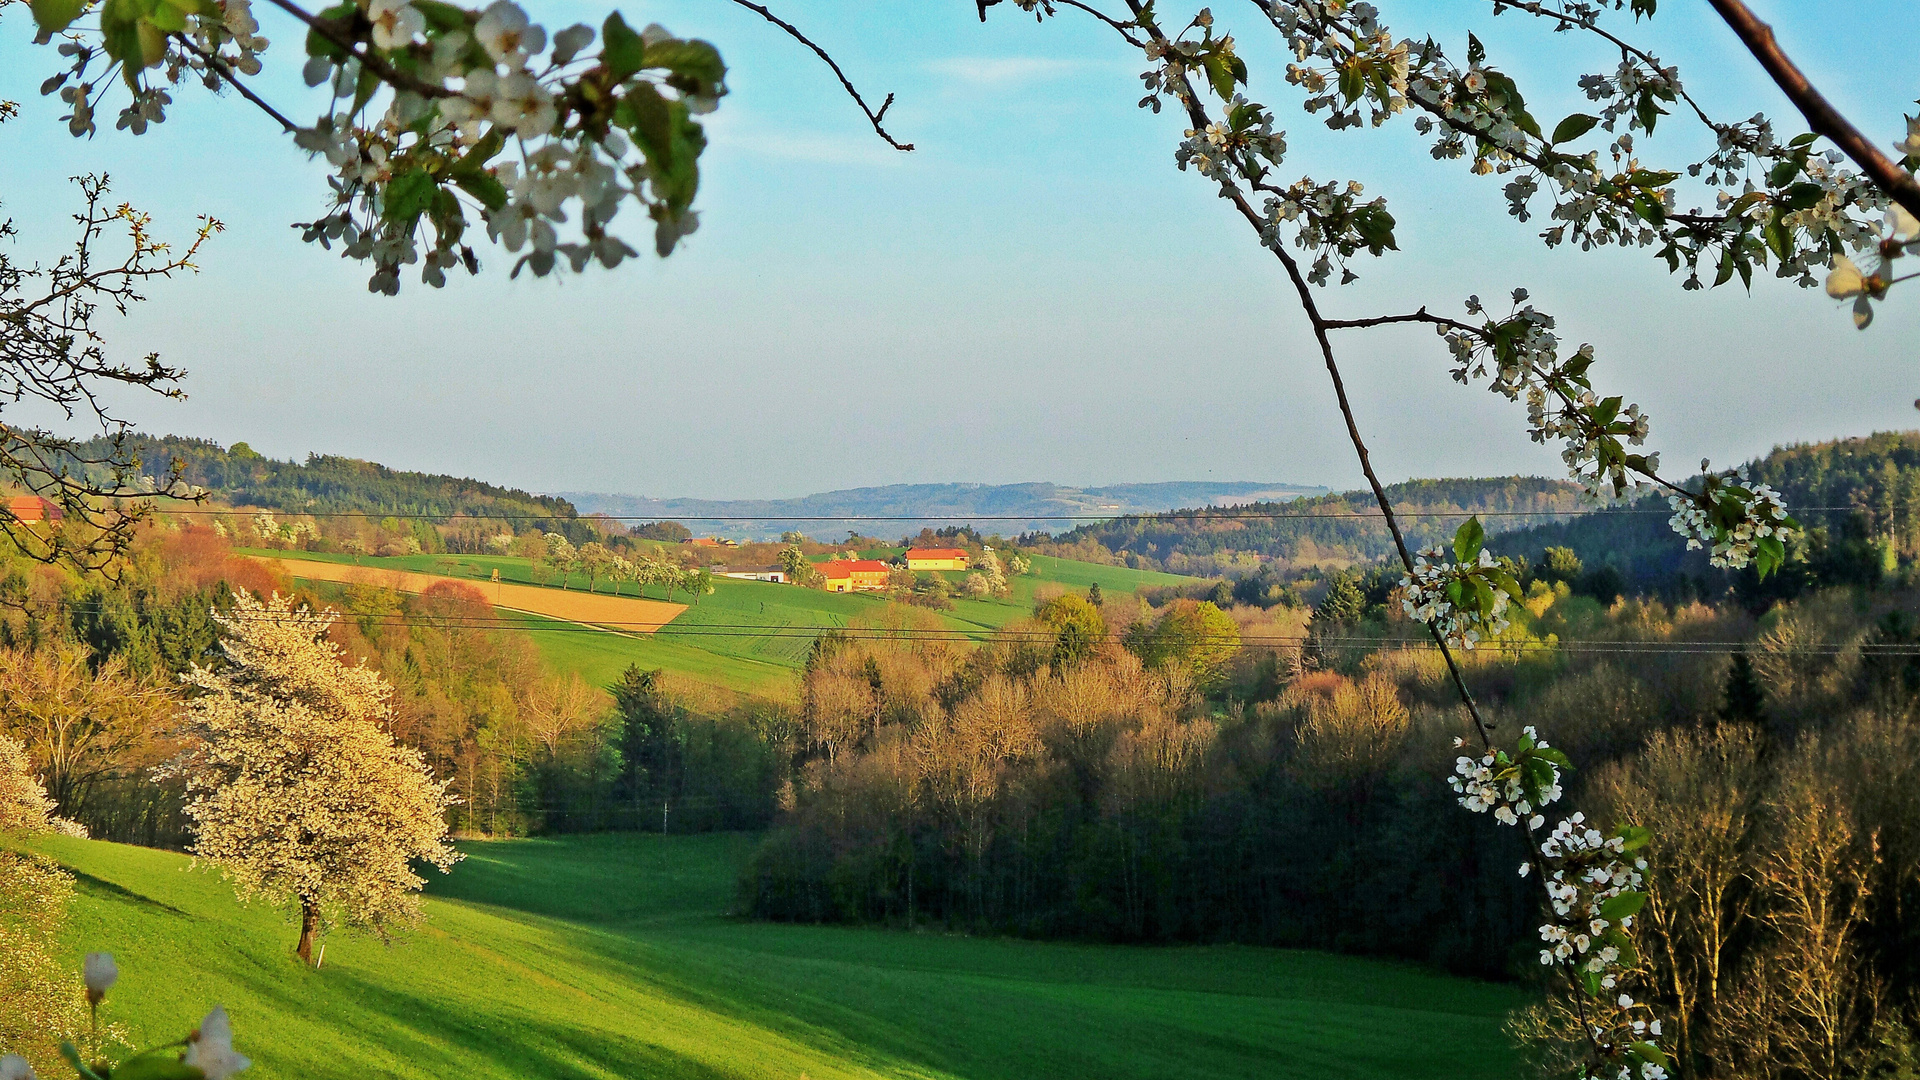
column 436, row 114
column 1521, row 356
column 1593, row 884
column 1808, row 208
column 1457, row 599
column 1737, row 521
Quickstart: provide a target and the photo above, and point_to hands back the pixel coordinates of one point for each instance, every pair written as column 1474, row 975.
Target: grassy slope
column 609, row 957
column 749, row 634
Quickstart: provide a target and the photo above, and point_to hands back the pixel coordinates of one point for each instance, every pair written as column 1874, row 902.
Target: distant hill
column 1332, row 529
column 328, row 484
column 1001, row 508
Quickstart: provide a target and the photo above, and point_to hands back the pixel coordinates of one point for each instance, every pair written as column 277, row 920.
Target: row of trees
column 597, row 562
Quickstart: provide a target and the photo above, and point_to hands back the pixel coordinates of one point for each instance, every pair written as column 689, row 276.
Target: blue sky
column 1034, row 294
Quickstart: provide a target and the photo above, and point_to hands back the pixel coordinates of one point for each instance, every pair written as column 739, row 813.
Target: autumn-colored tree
column 296, row 786
column 1078, row 628
column 80, row 726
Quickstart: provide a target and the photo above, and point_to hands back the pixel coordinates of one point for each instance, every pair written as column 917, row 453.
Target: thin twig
column 793, row 31
column 1821, row 116
column 388, row 74
column 219, row 67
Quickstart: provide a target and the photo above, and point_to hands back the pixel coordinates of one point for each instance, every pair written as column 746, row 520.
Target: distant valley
column 1007, row 509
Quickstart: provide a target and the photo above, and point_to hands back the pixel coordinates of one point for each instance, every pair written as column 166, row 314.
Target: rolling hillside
column 749, row 636
column 1335, row 529
column 613, row 957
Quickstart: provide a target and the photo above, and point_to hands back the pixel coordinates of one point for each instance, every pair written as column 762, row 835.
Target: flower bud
column 100, row 973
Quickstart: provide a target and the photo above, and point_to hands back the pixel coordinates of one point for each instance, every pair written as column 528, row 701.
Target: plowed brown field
column 623, row 613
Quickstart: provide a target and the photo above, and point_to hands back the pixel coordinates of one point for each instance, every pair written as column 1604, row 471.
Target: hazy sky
column 1034, row 294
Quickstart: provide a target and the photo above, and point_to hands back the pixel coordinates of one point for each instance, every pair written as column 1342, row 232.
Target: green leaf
column 1220, row 75
column 1646, row 1050
column 482, row 185
column 1634, row 837
column 621, row 50
column 1802, row 195
column 1573, row 127
column 72, row 1054
column 1468, row 539
column 1555, row 755
column 408, row 195
column 168, row 18
column 54, row 16
column 319, row 44
column 442, row 18
column 1623, row 905
column 694, row 62
column 1769, row 555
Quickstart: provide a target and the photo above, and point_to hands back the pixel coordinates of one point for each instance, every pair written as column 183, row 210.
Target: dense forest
column 1323, row 531
column 1859, row 500
column 327, row 484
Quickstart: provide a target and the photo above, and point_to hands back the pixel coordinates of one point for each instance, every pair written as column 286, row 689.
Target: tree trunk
column 309, row 928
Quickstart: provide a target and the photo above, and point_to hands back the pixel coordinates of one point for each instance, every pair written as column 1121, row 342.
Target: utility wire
column 1220, row 513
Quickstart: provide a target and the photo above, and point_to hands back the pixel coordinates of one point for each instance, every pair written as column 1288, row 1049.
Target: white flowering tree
column 436, row 116
column 294, row 783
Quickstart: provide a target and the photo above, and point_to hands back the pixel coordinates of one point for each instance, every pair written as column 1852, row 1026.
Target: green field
column 748, row 635
column 612, row 957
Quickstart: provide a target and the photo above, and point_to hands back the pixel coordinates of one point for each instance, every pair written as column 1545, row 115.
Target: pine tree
column 1744, row 699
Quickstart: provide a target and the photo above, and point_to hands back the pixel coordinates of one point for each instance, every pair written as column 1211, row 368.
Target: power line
column 1212, row 513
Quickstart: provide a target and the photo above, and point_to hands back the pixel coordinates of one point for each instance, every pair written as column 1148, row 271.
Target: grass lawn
column 748, row 633
column 612, row 957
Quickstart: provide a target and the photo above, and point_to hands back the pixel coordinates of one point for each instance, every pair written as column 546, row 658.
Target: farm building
column 711, row 542
column 855, row 575
column 33, row 508
column 751, row 573
column 936, row 559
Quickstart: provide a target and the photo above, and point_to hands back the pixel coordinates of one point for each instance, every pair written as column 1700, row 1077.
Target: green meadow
column 748, row 636
column 615, row 957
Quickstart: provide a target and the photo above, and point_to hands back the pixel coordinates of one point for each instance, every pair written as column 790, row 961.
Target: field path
column 626, row 614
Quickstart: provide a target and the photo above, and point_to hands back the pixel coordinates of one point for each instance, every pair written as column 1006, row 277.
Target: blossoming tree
column 437, row 116
column 294, row 784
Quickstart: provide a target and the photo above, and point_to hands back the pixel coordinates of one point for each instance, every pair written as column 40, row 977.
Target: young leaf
column 1468, row 540
column 54, row 16
column 1573, row 127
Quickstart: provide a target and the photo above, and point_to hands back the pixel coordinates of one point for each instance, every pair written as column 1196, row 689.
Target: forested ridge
column 1323, row 530
column 331, row 484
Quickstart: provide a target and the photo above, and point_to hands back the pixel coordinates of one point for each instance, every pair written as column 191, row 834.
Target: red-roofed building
column 854, row 575
column 936, row 559
column 710, row 542
column 33, row 508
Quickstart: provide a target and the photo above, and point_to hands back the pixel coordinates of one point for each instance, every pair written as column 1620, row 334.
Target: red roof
column 33, row 508
column 936, row 553
column 846, row 568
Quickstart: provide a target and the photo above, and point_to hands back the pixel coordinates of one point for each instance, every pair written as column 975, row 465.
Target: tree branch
column 388, row 74
column 1821, row 116
column 793, row 31
column 219, row 67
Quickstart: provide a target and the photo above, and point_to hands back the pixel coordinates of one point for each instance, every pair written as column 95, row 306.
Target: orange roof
column 33, row 508
column 936, row 553
column 846, row 568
